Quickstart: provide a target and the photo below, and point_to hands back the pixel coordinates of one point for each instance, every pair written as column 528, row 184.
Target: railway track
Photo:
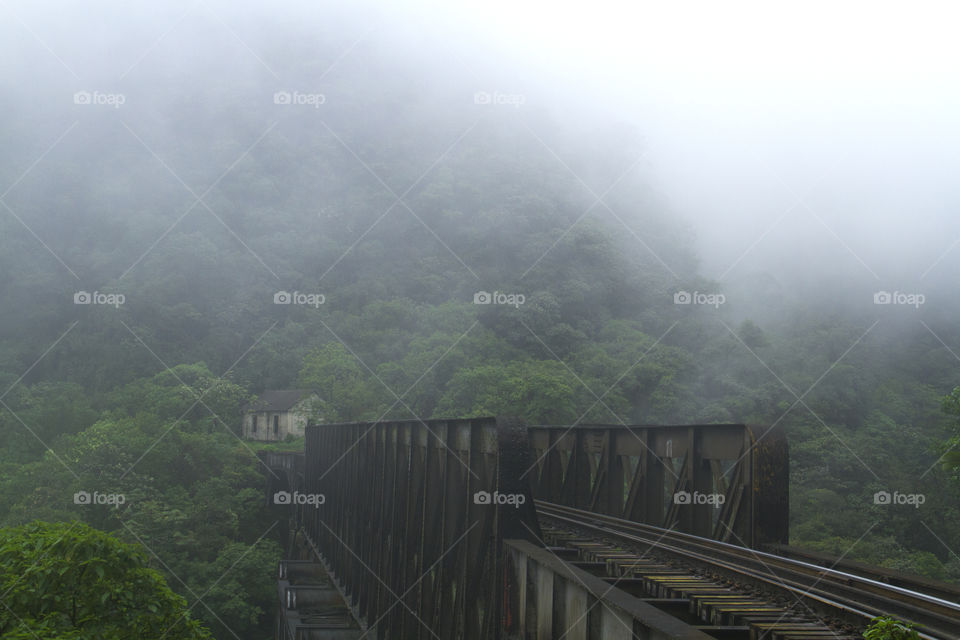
column 911, row 582
column 734, row 592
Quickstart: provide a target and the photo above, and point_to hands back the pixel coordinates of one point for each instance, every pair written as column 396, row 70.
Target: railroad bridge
column 486, row 528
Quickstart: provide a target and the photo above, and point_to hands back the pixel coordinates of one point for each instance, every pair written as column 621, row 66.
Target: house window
column 253, row 428
column 276, row 424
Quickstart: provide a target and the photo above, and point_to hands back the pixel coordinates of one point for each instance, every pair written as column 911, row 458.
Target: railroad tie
column 714, row 603
column 721, row 606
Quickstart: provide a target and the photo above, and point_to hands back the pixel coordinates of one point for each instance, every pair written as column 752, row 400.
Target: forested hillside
column 398, row 199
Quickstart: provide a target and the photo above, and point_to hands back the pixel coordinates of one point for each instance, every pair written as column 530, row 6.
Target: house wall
column 297, row 418
column 291, row 422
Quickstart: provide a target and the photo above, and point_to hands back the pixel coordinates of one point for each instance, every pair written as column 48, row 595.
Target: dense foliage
column 71, row 581
column 184, row 487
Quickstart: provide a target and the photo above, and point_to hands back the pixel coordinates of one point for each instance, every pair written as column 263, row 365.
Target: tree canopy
column 69, row 580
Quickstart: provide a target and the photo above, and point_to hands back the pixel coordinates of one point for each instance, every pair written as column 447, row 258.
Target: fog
column 818, row 137
column 822, row 132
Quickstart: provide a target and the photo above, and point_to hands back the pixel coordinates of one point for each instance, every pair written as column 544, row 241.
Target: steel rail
column 829, row 590
column 943, row 590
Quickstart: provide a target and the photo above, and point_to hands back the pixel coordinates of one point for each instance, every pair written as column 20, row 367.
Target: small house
column 274, row 415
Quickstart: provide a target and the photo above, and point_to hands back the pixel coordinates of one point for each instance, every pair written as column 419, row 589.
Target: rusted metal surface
column 728, row 482
column 429, row 529
column 548, row 598
column 405, row 524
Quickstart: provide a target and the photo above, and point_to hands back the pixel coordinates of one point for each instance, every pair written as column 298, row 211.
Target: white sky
column 736, row 96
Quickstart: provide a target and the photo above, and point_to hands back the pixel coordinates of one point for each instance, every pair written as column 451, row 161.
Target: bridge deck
column 430, row 528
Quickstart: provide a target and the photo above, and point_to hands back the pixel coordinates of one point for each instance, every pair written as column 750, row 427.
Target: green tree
column 68, row 580
column 539, row 391
column 348, row 392
column 951, row 448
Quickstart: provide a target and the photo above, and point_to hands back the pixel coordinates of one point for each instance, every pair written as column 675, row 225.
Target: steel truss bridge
column 478, row 529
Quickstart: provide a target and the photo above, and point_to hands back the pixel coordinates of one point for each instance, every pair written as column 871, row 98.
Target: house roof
column 278, row 400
